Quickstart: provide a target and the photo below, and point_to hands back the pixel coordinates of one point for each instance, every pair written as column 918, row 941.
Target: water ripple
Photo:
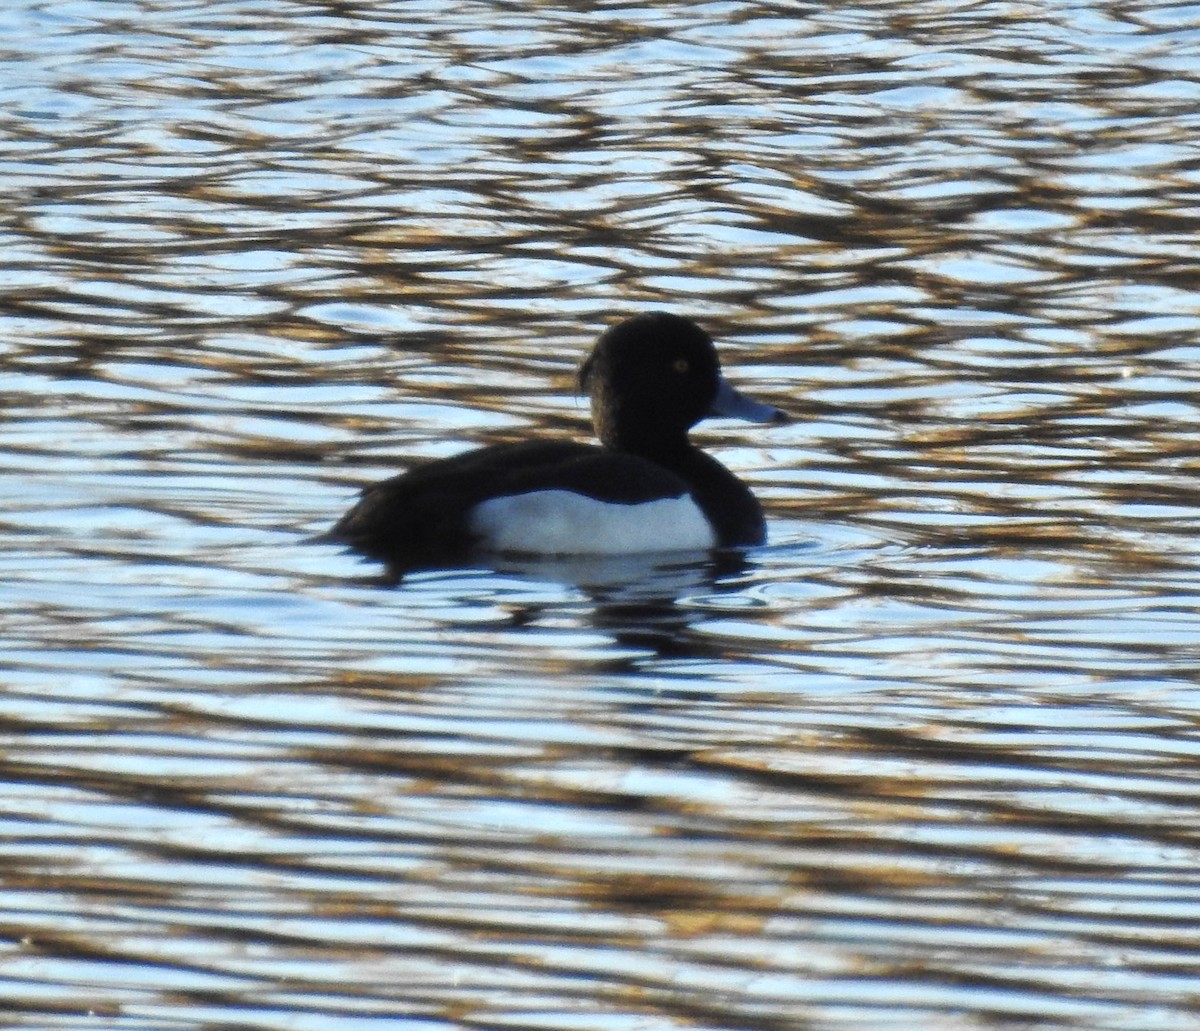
column 927, row 757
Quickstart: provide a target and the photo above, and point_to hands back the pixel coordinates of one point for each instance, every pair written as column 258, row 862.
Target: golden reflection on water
column 926, row 758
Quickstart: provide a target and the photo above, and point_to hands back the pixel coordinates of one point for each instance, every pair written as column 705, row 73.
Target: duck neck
column 666, row 450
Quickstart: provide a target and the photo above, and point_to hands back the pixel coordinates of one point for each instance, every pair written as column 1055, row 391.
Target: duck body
column 646, row 489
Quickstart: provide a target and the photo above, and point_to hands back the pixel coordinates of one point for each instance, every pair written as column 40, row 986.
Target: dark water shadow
column 639, row 601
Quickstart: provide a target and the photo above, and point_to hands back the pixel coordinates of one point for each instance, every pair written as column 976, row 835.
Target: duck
column 644, row 488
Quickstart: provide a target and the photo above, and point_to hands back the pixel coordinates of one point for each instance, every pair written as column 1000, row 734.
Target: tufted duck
column 647, row 489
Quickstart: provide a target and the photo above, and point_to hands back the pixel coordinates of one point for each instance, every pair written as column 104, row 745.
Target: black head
column 650, row 379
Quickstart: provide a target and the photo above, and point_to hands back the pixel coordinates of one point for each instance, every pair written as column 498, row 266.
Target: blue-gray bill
column 734, row 405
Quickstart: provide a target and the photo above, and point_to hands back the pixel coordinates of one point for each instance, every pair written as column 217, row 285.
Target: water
column 928, row 758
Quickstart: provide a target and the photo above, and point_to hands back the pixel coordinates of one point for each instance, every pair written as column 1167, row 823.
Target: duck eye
column 680, row 365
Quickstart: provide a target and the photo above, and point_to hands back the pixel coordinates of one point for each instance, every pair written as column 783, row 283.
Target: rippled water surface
column 928, row 759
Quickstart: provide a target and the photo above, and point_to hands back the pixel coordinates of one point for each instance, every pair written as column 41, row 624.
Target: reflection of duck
column 648, row 489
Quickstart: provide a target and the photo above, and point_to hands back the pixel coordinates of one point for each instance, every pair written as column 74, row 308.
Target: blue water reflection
column 926, row 758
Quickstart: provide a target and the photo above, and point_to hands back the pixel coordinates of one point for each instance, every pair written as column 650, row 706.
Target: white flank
column 561, row 522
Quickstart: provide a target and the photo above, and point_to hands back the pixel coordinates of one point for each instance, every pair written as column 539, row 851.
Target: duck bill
column 733, row 405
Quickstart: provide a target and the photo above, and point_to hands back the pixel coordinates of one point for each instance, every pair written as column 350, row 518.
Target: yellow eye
column 681, row 365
